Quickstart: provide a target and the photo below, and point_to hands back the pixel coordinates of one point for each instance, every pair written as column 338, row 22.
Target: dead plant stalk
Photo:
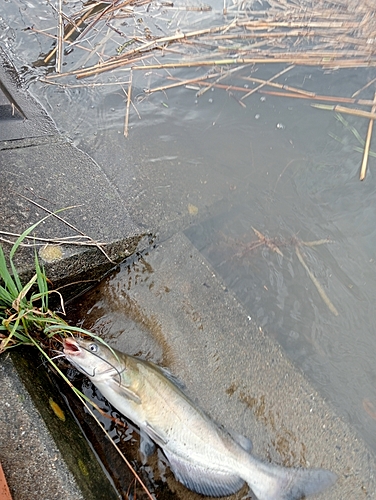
column 363, row 168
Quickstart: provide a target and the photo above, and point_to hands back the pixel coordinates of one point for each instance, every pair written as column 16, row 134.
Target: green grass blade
column 6, row 297
column 352, row 129
column 16, row 246
column 20, row 239
column 6, row 277
column 42, row 284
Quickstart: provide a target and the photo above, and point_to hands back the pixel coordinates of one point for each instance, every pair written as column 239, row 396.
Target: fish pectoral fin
column 125, row 391
column 203, row 480
column 154, row 435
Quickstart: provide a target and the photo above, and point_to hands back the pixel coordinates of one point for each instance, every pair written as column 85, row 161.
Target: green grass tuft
column 25, row 317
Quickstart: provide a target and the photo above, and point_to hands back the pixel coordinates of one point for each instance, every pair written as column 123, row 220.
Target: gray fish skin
column 202, row 455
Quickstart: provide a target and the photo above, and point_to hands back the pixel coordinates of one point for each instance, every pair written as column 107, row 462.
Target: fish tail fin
column 292, row 484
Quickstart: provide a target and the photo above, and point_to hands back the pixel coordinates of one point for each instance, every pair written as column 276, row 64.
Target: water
column 219, row 171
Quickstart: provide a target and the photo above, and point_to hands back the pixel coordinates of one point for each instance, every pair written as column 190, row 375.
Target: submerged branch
column 314, row 280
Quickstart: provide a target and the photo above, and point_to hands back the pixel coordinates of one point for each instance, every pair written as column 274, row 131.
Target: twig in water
column 268, row 81
column 364, row 87
column 320, row 289
column 343, row 109
column 363, row 168
column 128, row 103
column 60, row 39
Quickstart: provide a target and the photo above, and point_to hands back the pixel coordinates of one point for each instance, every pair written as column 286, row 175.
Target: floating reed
column 332, row 35
column 363, row 167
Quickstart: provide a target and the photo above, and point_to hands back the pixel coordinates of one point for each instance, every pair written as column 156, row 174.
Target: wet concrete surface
column 41, row 173
column 232, row 368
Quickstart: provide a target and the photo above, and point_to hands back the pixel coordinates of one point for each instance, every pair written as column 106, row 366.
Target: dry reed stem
column 221, row 77
column 55, row 38
column 69, row 225
column 83, row 85
column 285, row 58
column 68, row 35
column 363, row 168
column 128, row 103
column 216, row 85
column 346, row 100
column 268, row 81
column 318, row 286
column 60, row 37
column 181, row 82
column 364, row 87
column 343, row 109
column 97, row 18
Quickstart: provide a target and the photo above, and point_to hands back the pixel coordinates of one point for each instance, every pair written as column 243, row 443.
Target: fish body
column 202, row 455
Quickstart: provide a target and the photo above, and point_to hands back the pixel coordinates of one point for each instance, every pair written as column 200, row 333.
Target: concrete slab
column 233, row 369
column 42, row 172
column 21, row 117
column 56, row 175
column 32, row 463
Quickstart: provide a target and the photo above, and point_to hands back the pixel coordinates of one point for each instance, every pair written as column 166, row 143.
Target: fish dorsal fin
column 202, row 479
column 172, row 378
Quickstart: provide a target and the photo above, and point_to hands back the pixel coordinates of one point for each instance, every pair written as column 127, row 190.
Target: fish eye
column 93, row 347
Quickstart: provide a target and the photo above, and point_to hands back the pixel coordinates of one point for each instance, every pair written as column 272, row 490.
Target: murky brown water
column 221, row 173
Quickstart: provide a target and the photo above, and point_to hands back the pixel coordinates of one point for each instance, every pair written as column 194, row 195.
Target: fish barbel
column 202, row 455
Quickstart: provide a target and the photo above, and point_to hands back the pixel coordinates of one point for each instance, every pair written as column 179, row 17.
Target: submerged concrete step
column 233, row 369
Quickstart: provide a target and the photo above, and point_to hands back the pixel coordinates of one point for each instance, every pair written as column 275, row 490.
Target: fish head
column 91, row 358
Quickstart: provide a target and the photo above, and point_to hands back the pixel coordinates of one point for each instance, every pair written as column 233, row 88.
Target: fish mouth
column 71, row 347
